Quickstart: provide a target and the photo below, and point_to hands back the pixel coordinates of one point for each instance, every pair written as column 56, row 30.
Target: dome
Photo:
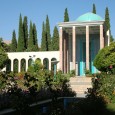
column 89, row 17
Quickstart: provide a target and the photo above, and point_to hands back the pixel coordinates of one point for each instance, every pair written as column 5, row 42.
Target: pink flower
column 110, row 66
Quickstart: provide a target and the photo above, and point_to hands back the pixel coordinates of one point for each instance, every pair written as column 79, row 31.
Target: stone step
column 80, row 80
column 80, row 85
column 80, row 88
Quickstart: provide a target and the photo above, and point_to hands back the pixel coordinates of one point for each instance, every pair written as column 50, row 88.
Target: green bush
column 72, row 73
column 105, row 58
column 106, row 86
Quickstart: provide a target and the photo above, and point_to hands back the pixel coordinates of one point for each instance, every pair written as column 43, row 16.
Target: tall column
column 65, row 52
column 61, row 48
column 19, row 63
column 74, row 47
column 49, row 64
column 87, row 47
column 12, row 64
column 26, row 64
column 101, row 37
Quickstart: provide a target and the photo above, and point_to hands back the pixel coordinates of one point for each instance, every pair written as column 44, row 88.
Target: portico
column 80, row 41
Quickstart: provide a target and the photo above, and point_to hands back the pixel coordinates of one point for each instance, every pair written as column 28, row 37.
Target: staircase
column 80, row 85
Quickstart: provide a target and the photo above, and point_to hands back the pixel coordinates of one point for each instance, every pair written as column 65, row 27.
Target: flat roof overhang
column 80, row 24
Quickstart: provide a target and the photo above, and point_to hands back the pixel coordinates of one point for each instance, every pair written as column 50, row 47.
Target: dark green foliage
column 3, row 56
column 23, row 65
column 15, row 67
column 48, row 36
column 106, row 84
column 105, row 58
column 21, row 44
column 94, row 9
column 14, row 42
column 30, row 41
column 107, row 23
column 107, row 19
column 35, row 38
column 55, row 39
column 6, row 47
column 25, row 30
column 43, row 40
column 66, row 16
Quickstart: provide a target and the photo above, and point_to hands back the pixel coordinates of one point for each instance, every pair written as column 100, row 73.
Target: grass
column 111, row 107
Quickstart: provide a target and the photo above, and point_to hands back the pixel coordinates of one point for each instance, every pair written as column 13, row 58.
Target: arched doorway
column 46, row 63
column 23, row 65
column 29, row 62
column 38, row 59
column 15, row 66
column 8, row 66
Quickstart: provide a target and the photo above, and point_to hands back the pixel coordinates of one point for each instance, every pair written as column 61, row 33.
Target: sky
column 36, row 11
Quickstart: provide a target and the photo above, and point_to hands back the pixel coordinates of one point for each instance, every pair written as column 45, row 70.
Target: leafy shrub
column 72, row 73
column 106, row 86
column 105, row 58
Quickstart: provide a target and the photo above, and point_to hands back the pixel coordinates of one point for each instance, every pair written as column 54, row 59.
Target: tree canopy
column 3, row 56
column 55, row 39
column 20, row 46
column 43, row 40
column 14, row 42
column 105, row 58
column 66, row 16
column 94, row 9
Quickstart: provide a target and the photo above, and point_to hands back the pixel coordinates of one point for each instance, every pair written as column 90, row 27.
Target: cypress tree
column 48, row 36
column 107, row 22
column 55, row 39
column 43, row 40
column 94, row 9
column 66, row 16
column 20, row 45
column 25, row 30
column 30, row 40
column 107, row 19
column 14, row 42
column 35, row 38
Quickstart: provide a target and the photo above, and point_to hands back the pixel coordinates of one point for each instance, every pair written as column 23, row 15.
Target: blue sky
column 36, row 11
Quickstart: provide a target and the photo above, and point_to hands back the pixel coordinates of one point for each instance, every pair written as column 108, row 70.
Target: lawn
column 111, row 107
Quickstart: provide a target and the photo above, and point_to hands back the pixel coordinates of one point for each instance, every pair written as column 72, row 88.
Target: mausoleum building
column 79, row 42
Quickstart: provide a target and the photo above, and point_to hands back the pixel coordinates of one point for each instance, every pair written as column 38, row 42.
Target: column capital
column 74, row 27
column 87, row 26
column 61, row 27
column 101, row 25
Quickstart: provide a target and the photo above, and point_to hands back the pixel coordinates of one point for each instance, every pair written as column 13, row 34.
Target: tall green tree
column 30, row 40
column 21, row 45
column 107, row 19
column 14, row 42
column 25, row 30
column 3, row 55
column 43, row 40
column 55, row 39
column 48, row 36
column 35, row 38
column 107, row 22
column 94, row 9
column 66, row 16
